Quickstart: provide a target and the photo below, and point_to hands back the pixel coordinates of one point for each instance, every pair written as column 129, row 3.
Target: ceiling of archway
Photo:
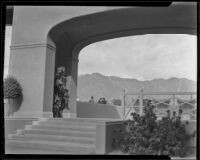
column 130, row 21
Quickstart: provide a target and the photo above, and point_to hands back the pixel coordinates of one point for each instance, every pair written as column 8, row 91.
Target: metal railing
column 163, row 101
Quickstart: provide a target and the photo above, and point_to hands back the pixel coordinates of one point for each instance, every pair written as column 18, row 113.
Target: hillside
column 98, row 85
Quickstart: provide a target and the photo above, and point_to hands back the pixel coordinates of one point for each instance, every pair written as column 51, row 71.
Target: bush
column 102, row 100
column 12, row 88
column 145, row 135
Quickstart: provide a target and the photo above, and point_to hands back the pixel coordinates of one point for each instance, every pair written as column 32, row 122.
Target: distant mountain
column 110, row 87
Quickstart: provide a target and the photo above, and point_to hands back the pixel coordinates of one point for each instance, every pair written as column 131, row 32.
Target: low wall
column 89, row 110
column 13, row 124
column 106, row 134
column 96, row 110
column 190, row 129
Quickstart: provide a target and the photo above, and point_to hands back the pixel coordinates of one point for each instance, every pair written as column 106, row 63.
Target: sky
column 143, row 57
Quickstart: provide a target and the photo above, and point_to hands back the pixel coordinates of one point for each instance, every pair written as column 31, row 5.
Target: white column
column 33, row 67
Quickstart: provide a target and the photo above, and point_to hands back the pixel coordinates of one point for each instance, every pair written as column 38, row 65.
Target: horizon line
column 136, row 78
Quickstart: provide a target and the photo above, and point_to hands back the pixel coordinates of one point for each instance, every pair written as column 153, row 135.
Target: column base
column 69, row 115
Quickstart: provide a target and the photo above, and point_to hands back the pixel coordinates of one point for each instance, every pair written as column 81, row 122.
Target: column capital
column 33, row 45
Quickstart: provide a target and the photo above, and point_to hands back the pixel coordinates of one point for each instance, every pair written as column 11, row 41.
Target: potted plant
column 13, row 94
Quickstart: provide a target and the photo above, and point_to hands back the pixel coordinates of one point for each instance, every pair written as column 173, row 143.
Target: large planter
column 13, row 95
column 12, row 105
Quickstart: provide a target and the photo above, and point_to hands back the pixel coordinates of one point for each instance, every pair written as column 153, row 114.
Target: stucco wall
column 89, row 110
column 31, row 24
column 106, row 133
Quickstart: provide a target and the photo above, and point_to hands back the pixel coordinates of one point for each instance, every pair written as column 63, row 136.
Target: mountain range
column 110, row 87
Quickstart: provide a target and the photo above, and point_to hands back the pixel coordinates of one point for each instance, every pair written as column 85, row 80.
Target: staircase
column 54, row 136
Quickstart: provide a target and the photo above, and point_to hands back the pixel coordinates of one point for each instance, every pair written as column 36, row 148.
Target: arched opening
column 142, row 57
column 156, row 63
column 72, row 35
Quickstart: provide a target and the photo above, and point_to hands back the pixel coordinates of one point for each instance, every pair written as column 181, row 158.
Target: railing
column 163, row 101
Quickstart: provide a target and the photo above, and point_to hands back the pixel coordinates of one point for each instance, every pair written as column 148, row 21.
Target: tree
column 148, row 136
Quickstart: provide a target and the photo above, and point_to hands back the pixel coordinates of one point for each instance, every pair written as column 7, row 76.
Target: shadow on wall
column 96, row 110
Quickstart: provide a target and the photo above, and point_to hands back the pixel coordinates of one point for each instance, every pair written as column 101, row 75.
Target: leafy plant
column 61, row 95
column 148, row 136
column 12, row 92
column 12, row 88
column 102, row 100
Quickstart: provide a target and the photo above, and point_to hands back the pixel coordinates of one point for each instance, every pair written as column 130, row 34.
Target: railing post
column 173, row 106
column 141, row 102
column 124, row 105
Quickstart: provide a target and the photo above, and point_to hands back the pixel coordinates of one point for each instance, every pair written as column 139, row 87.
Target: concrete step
column 51, row 146
column 16, row 150
column 82, row 120
column 61, row 127
column 55, row 135
column 60, row 122
column 58, row 132
column 59, row 138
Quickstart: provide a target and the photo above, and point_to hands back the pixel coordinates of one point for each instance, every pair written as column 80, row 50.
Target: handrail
column 173, row 100
column 163, row 93
column 132, row 107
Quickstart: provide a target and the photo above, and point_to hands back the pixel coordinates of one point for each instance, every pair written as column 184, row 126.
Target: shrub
column 102, row 100
column 12, row 88
column 145, row 135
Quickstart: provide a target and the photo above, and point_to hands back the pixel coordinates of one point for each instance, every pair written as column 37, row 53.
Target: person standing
column 91, row 99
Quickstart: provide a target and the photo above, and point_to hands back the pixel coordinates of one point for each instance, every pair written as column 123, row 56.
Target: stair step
column 55, row 136
column 58, row 132
column 62, row 127
column 82, row 120
column 49, row 145
column 20, row 150
column 60, row 122
column 85, row 140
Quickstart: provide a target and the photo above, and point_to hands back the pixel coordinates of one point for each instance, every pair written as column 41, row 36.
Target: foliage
column 61, row 95
column 12, row 88
column 148, row 136
column 102, row 100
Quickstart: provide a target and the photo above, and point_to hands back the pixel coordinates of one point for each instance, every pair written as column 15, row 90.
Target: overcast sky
column 143, row 57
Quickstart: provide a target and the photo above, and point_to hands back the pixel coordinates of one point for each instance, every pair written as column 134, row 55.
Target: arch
column 72, row 35
column 177, row 19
